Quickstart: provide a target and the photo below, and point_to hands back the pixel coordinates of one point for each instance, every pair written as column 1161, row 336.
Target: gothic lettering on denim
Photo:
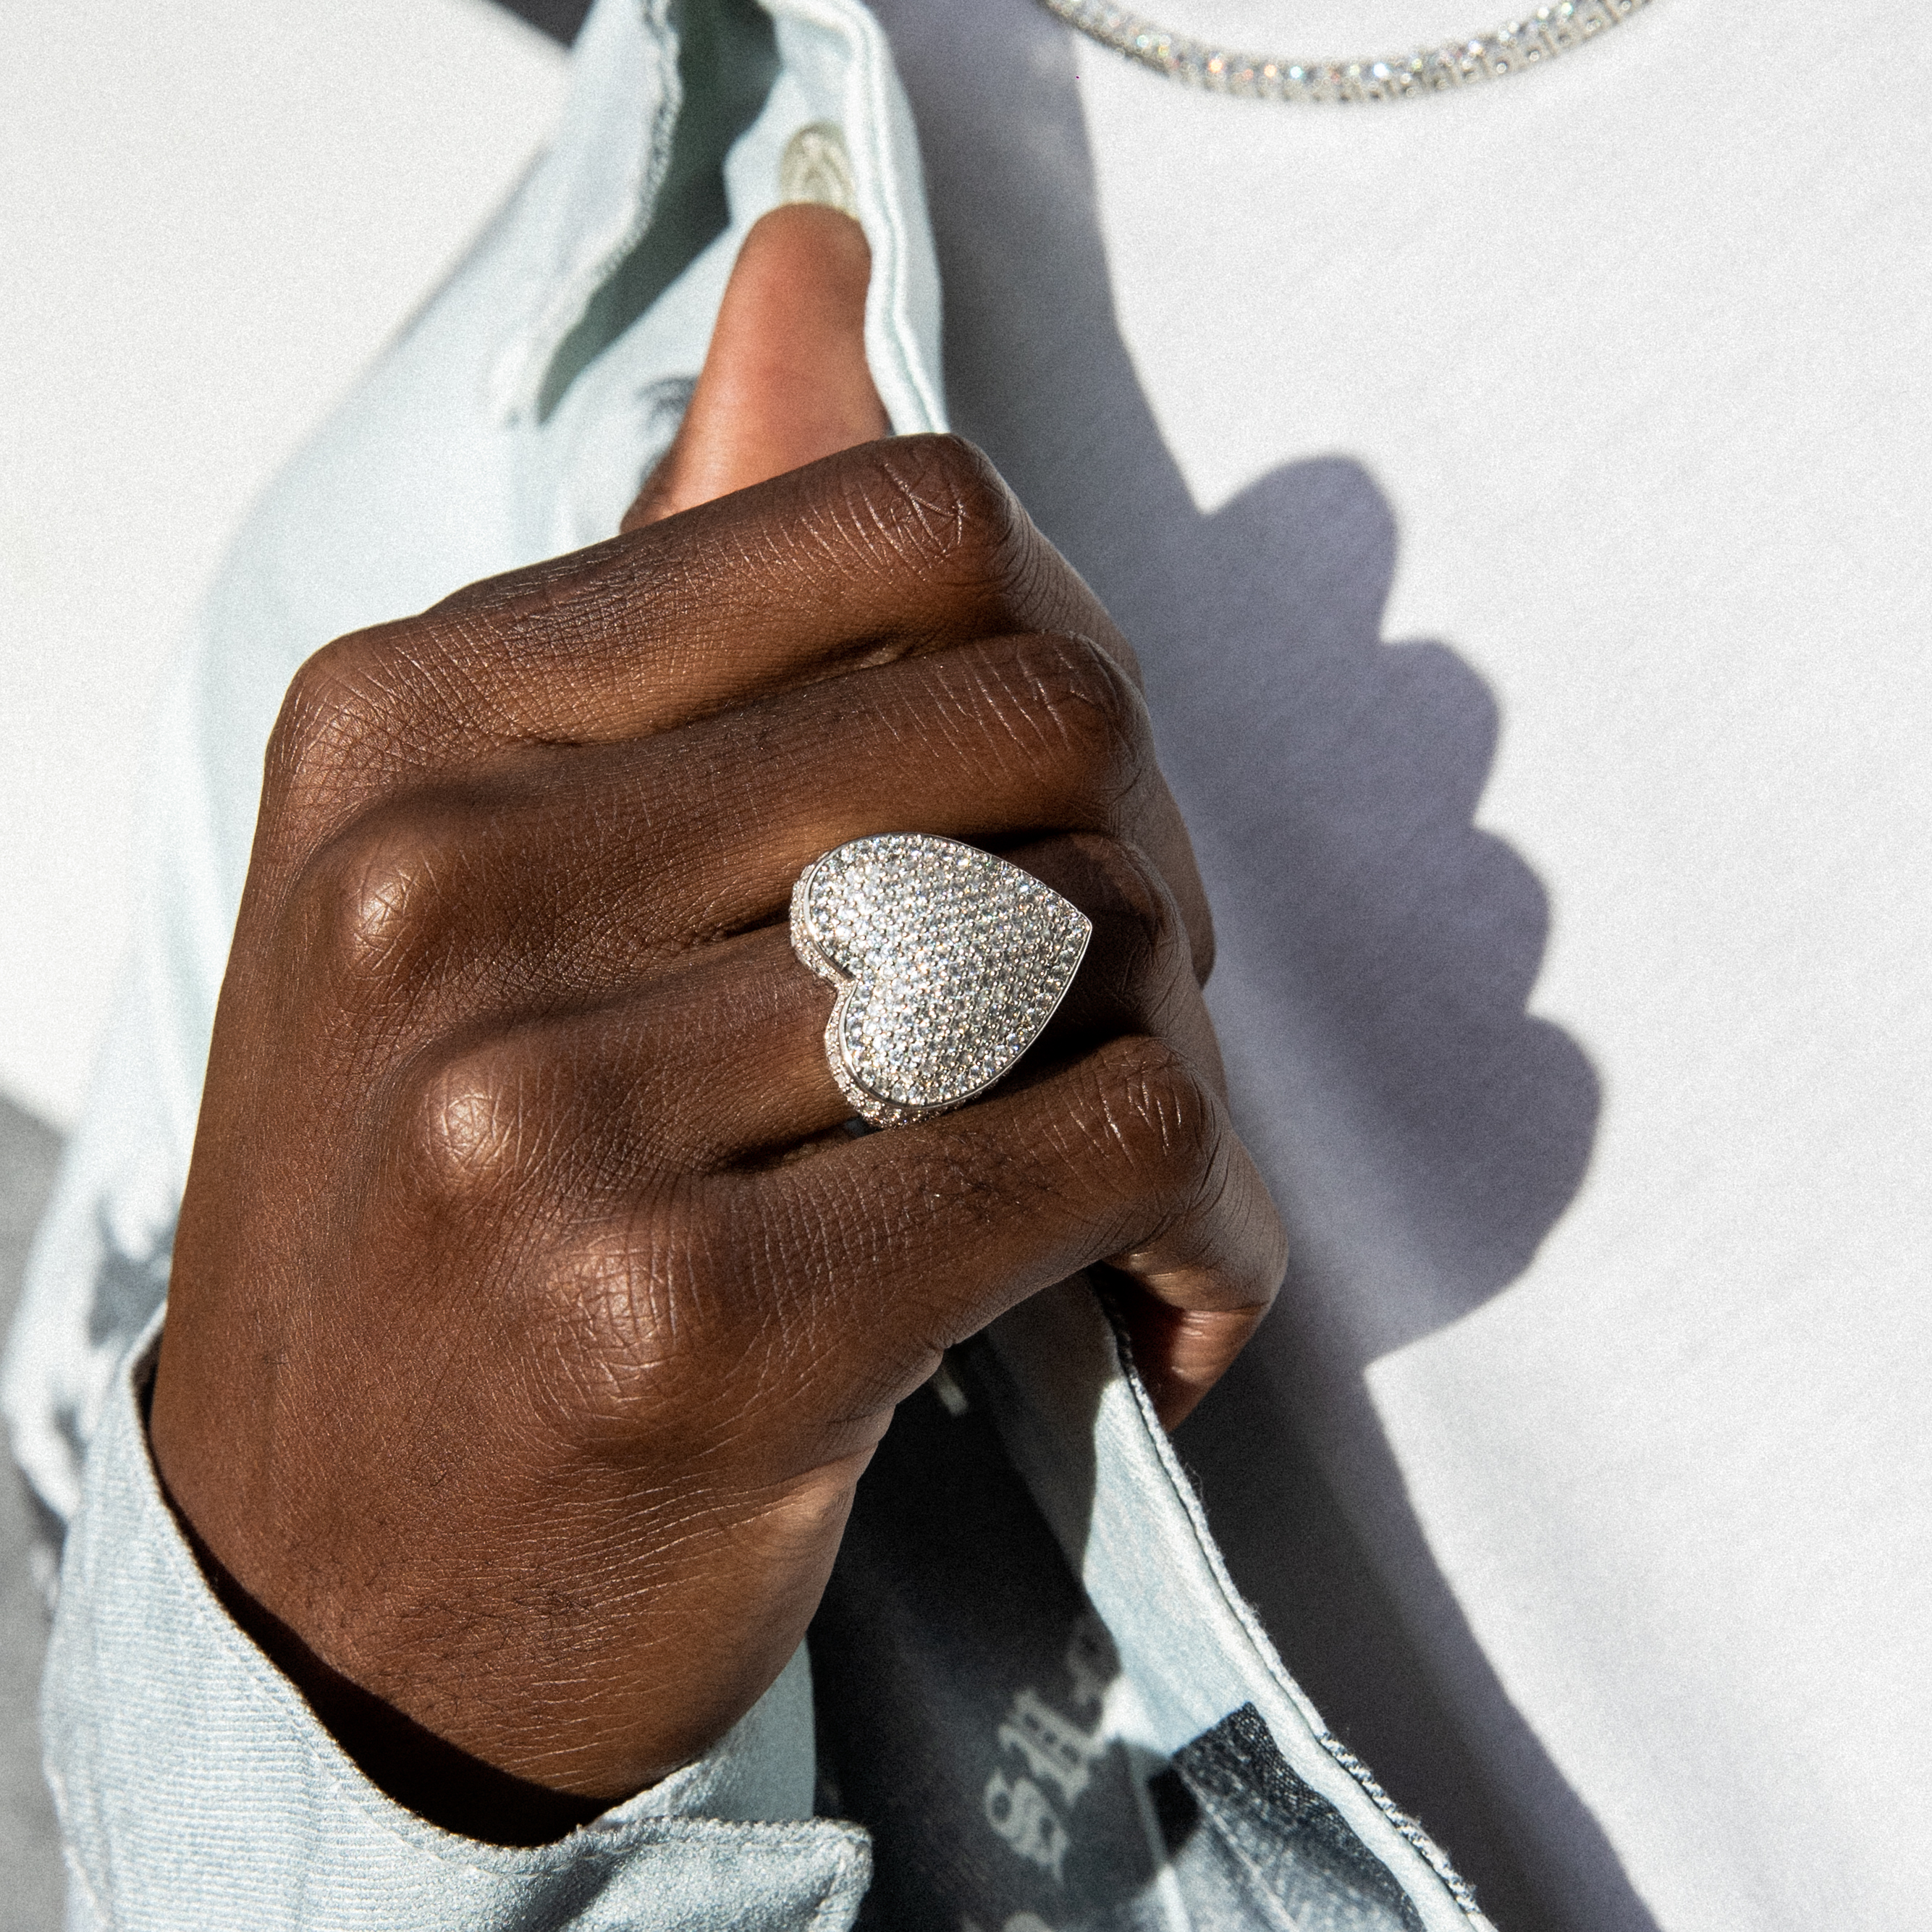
column 1056, row 1751
column 1022, row 1813
column 1055, row 1755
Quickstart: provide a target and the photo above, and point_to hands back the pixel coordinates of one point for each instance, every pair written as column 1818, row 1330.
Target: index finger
column 877, row 553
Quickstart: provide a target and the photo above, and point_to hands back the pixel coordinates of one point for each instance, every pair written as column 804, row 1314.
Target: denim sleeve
column 196, row 1790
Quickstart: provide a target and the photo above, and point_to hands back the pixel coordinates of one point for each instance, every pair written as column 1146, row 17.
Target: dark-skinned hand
column 531, row 1317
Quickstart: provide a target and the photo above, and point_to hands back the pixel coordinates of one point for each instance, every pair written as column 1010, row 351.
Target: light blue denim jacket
column 1108, row 1739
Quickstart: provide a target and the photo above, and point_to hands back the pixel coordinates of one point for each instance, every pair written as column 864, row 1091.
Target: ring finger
column 721, row 1062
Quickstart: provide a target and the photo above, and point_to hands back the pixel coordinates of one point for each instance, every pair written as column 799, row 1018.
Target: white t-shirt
column 1520, row 500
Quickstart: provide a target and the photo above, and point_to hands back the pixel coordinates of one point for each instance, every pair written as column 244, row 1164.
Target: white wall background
column 212, row 216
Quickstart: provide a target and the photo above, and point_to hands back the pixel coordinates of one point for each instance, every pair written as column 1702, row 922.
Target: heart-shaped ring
column 948, row 961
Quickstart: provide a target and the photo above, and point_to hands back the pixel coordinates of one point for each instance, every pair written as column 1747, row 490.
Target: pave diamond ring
column 948, row 963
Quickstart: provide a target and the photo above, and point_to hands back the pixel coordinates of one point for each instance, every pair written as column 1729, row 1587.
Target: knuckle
column 1135, row 884
column 1141, row 936
column 372, row 896
column 478, row 1123
column 1161, row 1114
column 643, row 1314
column 336, row 722
column 1162, row 932
column 1079, row 707
column 938, row 500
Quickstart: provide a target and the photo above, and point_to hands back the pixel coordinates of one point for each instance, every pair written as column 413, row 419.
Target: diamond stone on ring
column 949, row 962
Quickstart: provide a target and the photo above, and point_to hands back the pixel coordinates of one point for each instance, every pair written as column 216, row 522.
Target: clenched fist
column 532, row 1316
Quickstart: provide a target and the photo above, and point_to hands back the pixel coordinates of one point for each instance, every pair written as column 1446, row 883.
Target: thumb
column 784, row 381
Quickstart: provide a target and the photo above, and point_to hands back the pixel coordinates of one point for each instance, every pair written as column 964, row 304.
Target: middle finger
column 720, row 1061
column 579, row 871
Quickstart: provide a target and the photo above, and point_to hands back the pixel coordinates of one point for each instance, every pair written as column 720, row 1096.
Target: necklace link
column 1513, row 48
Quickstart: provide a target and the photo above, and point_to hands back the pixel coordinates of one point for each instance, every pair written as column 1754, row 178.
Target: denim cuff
column 197, row 1788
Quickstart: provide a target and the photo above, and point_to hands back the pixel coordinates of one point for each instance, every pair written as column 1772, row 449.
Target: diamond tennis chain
column 1512, row 49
